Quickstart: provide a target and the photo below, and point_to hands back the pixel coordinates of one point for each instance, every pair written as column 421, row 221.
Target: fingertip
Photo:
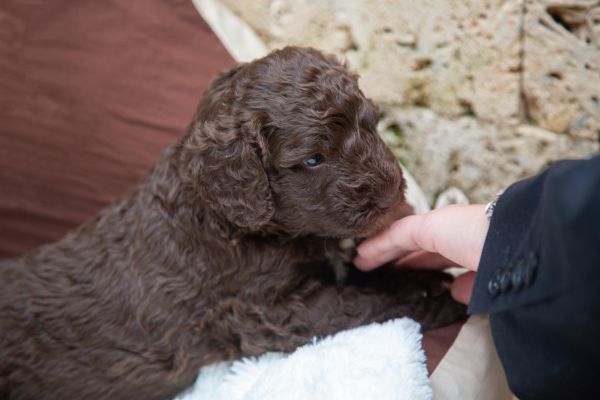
column 363, row 264
column 366, row 253
column 360, row 249
column 462, row 287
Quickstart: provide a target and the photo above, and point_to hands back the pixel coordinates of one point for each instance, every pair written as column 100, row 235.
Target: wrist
column 491, row 206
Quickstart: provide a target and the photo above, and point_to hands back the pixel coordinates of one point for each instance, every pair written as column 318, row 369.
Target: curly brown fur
column 224, row 250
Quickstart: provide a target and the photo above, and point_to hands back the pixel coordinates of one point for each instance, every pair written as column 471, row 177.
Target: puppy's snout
column 389, row 200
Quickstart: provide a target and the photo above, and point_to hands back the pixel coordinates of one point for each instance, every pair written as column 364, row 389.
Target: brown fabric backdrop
column 90, row 92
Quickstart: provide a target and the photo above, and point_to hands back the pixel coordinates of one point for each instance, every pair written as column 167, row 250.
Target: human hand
column 449, row 236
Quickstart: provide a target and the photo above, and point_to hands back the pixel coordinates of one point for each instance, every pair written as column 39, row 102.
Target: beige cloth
column 471, row 368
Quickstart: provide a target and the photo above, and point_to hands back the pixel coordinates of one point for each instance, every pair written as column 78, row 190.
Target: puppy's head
column 289, row 142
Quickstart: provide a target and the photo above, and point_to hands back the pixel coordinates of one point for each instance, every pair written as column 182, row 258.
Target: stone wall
column 475, row 94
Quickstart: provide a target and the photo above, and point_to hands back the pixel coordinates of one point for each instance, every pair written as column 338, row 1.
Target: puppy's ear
column 224, row 164
column 217, row 93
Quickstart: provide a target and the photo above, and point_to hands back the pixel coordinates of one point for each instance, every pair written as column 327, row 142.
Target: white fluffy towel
column 377, row 361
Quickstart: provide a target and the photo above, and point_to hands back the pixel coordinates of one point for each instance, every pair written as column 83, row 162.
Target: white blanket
column 377, row 361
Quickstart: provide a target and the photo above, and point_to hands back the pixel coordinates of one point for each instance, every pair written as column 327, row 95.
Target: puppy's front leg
column 244, row 328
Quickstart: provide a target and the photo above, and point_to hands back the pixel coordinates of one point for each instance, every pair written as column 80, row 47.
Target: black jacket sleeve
column 539, row 279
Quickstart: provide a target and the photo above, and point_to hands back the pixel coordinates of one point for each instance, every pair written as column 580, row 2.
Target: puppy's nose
column 389, row 200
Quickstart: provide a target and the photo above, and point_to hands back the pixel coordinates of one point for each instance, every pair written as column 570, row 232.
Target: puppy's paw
column 438, row 311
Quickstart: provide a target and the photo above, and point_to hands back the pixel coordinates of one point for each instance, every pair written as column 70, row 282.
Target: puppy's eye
column 314, row 160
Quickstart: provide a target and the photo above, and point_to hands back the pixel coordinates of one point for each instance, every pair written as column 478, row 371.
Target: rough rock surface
column 474, row 156
column 483, row 92
column 562, row 66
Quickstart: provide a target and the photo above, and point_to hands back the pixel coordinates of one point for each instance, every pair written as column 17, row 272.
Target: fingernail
column 359, row 262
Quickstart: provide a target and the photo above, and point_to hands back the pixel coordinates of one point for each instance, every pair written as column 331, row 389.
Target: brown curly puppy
column 226, row 249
